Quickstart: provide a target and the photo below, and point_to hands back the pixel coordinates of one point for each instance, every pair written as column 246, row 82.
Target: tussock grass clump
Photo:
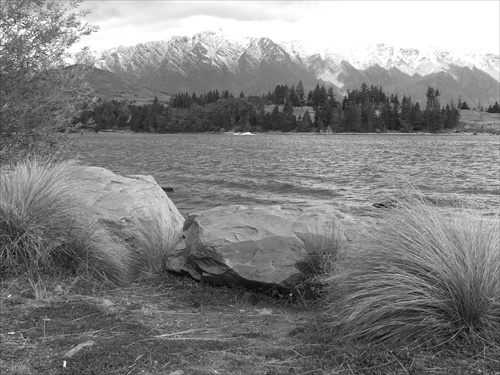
column 152, row 245
column 322, row 253
column 45, row 227
column 426, row 275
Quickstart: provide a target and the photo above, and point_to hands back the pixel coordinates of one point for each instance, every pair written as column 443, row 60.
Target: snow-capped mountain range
column 213, row 60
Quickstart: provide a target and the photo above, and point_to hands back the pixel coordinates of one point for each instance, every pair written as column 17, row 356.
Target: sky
column 468, row 26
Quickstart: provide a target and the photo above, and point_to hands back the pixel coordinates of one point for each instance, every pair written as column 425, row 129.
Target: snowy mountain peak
column 212, row 59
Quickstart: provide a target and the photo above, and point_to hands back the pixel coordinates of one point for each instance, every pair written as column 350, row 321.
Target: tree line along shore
column 286, row 109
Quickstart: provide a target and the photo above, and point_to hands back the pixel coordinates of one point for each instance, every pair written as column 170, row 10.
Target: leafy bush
column 426, row 275
column 39, row 95
column 44, row 226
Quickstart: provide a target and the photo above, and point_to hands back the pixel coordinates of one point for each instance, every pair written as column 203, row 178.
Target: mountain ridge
column 211, row 60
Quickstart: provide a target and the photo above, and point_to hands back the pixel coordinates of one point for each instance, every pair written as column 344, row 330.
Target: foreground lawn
column 168, row 323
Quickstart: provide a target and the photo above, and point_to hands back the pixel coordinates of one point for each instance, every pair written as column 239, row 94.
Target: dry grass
column 323, row 252
column 427, row 275
column 45, row 227
column 152, row 244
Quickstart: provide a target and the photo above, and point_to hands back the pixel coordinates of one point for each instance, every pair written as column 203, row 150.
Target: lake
column 353, row 171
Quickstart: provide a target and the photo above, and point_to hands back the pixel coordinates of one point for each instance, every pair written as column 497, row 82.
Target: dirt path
column 150, row 328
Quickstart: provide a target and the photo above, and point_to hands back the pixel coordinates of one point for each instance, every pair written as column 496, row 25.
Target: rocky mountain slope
column 212, row 60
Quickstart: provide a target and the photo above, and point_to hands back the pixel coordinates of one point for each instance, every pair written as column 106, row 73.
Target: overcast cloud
column 451, row 25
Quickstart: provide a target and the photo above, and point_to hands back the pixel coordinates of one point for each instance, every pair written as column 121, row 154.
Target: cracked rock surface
column 253, row 246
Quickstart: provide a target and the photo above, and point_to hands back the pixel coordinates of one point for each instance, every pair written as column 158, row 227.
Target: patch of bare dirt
column 175, row 326
column 149, row 328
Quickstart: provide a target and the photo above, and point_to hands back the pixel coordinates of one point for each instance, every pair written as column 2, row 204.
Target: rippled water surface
column 355, row 170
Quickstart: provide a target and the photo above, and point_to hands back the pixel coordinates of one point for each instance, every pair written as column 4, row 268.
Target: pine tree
column 300, row 94
column 352, row 118
column 293, row 97
column 315, row 97
column 331, row 97
column 276, row 119
column 305, row 124
column 326, row 114
column 289, row 121
column 309, row 98
column 415, row 117
column 367, row 115
column 432, row 114
column 385, row 116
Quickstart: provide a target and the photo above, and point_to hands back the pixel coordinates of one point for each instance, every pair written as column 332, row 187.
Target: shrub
column 39, row 95
column 44, row 225
column 425, row 275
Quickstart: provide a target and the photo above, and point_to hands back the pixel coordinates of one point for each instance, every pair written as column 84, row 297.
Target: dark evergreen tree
column 276, row 119
column 288, row 118
column 300, row 94
column 432, row 115
column 331, row 97
column 326, row 114
column 385, row 116
column 122, row 121
column 364, row 94
column 309, row 98
column 305, row 124
column 316, row 97
column 494, row 109
column 352, row 118
column 465, row 106
column 336, row 123
column 292, row 97
column 367, row 115
column 415, row 117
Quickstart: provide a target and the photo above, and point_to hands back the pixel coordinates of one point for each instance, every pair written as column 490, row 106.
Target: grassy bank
column 479, row 122
column 420, row 295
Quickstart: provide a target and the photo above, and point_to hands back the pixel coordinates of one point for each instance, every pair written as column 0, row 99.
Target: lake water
column 208, row 170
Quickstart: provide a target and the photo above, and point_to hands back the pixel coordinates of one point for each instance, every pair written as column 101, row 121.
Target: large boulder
column 254, row 246
column 129, row 207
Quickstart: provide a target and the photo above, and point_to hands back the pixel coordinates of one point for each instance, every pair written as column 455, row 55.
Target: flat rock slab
column 254, row 245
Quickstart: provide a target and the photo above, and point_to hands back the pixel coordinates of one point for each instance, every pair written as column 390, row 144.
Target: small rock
column 58, row 289
column 107, row 303
column 177, row 372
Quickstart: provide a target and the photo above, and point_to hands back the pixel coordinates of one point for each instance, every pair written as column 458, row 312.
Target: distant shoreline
column 109, row 131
